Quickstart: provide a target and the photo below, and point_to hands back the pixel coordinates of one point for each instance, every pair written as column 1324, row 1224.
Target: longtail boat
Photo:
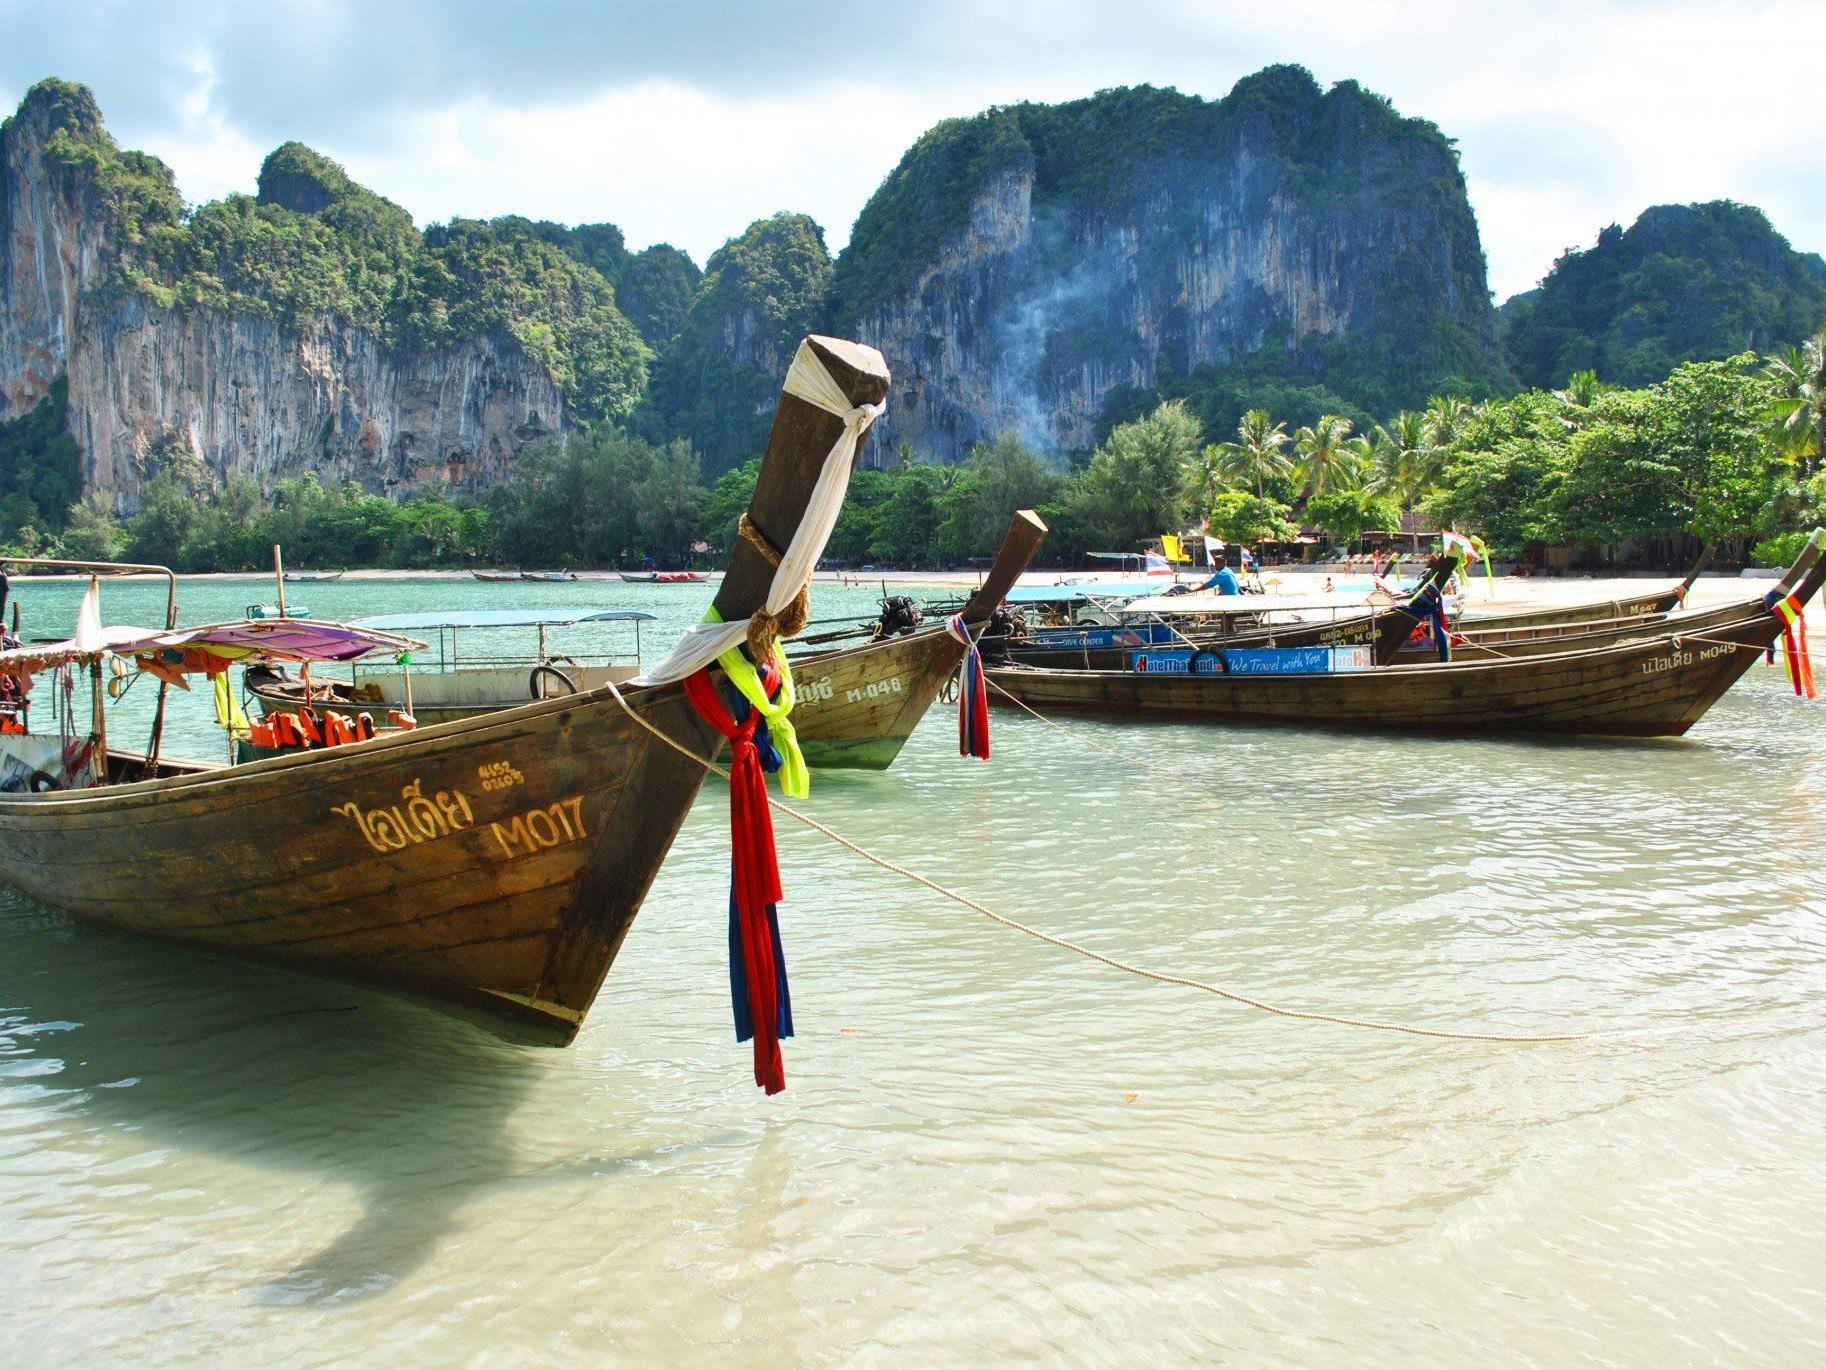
column 1384, row 629
column 859, row 705
column 1531, row 635
column 1106, row 646
column 1655, row 685
column 492, row 863
column 461, row 682
column 1630, row 606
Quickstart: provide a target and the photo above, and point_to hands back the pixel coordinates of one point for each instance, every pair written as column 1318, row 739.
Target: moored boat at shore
column 1108, row 645
column 1656, row 684
column 493, row 863
column 859, row 704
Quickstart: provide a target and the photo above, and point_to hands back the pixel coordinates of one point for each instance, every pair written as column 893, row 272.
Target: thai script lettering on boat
column 415, row 819
column 1685, row 657
column 810, row 692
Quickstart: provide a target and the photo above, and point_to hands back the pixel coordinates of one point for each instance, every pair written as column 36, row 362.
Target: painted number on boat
column 875, row 689
column 539, row 829
column 499, row 775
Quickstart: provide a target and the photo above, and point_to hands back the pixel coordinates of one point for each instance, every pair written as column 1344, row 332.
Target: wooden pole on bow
column 802, row 435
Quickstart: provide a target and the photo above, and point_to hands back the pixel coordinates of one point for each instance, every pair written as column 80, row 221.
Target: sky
column 684, row 120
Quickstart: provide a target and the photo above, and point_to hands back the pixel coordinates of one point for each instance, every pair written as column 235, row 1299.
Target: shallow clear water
column 990, row 1147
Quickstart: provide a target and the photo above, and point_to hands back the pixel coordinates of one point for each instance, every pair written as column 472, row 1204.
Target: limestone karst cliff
column 1018, row 266
column 308, row 329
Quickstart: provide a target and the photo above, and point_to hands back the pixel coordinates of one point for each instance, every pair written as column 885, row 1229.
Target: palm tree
column 1797, row 415
column 1364, row 464
column 1409, row 456
column 1258, row 454
column 1320, row 449
column 1582, row 389
column 1447, row 416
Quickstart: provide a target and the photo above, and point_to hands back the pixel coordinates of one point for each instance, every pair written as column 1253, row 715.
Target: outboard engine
column 900, row 615
column 1005, row 625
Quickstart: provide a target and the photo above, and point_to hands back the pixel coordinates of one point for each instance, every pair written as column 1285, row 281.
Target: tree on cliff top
column 715, row 384
column 134, row 189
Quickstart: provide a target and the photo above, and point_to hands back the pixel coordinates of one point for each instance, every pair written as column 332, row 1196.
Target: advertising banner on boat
column 1253, row 661
column 1140, row 635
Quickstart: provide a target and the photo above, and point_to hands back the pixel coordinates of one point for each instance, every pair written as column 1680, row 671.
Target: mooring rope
column 1115, row 963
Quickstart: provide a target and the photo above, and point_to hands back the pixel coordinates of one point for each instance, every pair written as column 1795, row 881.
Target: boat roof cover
column 1082, row 591
column 284, row 639
column 500, row 618
column 1360, row 601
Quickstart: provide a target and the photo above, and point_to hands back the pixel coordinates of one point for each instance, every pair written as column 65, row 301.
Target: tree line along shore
column 1722, row 451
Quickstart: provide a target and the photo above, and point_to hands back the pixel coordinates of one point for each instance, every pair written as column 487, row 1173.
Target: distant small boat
column 311, row 577
column 274, row 611
column 548, row 575
column 496, row 575
column 665, row 577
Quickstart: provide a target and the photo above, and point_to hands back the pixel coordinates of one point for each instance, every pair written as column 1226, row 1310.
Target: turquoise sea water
column 988, row 1147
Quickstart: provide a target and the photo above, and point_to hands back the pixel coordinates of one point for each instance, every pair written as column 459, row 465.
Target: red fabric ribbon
column 754, row 868
column 972, row 694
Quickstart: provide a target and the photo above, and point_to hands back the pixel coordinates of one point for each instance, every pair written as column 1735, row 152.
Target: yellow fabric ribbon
column 795, row 776
column 228, row 709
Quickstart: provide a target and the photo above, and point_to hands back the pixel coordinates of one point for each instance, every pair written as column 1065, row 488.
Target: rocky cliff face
column 1019, row 266
column 248, row 394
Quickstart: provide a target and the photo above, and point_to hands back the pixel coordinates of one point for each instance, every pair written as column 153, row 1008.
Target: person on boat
column 1224, row 581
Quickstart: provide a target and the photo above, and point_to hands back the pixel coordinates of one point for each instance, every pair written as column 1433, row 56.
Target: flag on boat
column 1473, row 549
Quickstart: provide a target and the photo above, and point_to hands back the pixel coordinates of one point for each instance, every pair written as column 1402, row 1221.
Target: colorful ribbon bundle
column 972, row 694
column 757, row 960
column 1793, row 616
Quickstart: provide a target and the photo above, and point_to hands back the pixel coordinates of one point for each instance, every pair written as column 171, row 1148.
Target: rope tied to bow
column 765, row 629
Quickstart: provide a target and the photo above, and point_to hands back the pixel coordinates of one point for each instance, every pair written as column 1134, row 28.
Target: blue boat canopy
column 1086, row 591
column 501, row 618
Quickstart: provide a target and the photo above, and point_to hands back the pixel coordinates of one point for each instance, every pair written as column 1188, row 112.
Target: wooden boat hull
column 494, row 863
column 857, row 707
column 1521, row 632
column 1650, row 687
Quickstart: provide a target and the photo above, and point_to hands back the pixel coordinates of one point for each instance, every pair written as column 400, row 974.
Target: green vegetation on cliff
column 135, row 189
column 715, row 384
column 1683, row 283
column 40, row 467
column 313, row 243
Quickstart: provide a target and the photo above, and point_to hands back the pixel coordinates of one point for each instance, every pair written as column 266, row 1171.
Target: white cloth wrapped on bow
column 808, row 380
